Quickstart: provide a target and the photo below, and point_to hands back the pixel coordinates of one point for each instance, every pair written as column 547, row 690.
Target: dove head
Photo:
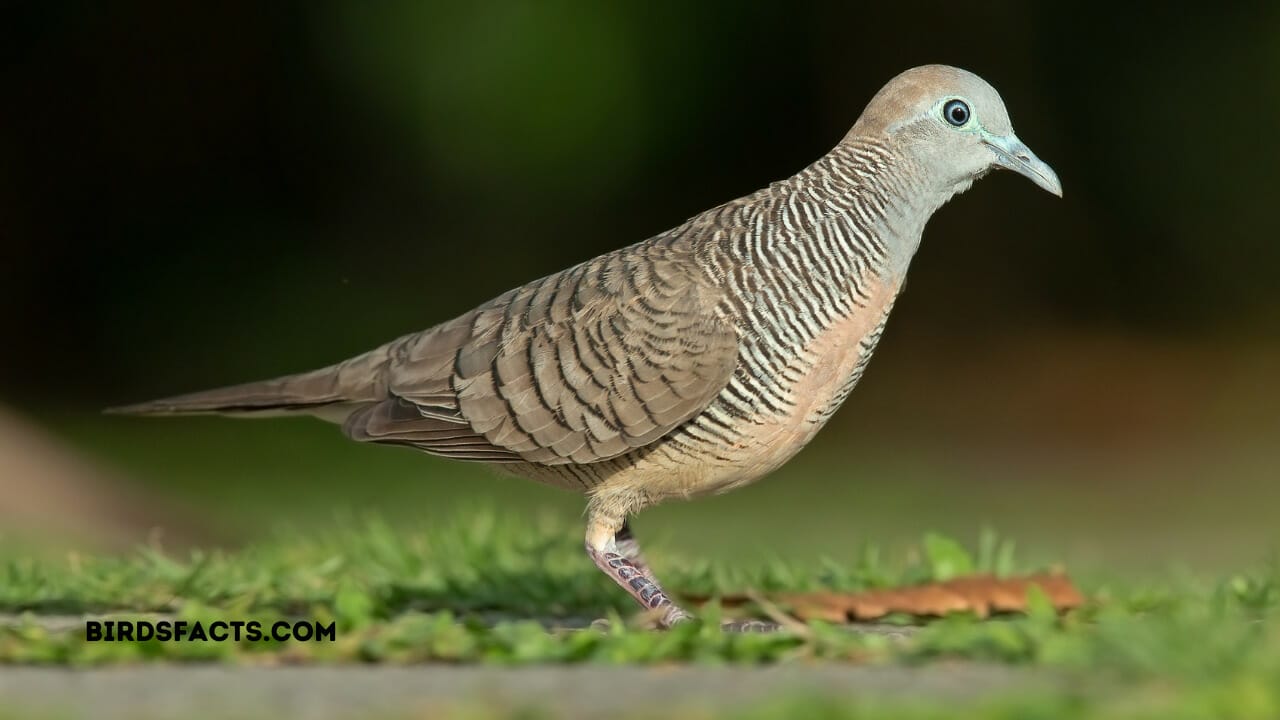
column 953, row 124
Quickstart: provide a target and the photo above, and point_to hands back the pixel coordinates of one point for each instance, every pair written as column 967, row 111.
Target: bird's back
column 577, row 367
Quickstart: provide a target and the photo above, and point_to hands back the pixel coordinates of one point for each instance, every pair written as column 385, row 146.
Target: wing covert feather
column 577, row 367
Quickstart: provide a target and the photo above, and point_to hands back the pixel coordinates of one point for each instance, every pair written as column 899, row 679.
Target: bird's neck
column 880, row 196
column 826, row 242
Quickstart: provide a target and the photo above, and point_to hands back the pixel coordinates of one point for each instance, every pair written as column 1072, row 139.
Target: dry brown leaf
column 981, row 595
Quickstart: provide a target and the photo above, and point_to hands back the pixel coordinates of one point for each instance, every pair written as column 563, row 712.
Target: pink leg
column 620, row 559
column 630, row 549
column 614, row 550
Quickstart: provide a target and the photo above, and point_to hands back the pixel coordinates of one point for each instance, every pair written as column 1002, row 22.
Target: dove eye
column 956, row 112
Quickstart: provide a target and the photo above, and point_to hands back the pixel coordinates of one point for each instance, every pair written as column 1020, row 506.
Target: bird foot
column 673, row 615
column 732, row 626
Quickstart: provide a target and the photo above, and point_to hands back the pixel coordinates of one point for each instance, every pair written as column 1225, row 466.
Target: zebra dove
column 690, row 363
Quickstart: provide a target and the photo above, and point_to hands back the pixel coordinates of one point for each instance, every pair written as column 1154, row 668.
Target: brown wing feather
column 578, row 367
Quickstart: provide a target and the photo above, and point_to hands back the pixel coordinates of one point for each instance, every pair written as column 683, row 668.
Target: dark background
column 198, row 194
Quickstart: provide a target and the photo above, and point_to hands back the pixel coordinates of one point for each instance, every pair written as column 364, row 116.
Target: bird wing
column 577, row 367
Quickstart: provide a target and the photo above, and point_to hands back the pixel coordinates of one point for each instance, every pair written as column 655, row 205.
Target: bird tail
column 332, row 391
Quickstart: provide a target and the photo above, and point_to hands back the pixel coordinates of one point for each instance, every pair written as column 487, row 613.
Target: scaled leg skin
column 621, row 560
column 613, row 549
column 630, row 549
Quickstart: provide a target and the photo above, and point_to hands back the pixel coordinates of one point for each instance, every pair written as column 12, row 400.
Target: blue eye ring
column 956, row 112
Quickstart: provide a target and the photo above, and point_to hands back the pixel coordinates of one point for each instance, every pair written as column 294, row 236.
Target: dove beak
column 1011, row 153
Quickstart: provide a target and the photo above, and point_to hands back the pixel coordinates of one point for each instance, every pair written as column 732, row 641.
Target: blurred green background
column 194, row 195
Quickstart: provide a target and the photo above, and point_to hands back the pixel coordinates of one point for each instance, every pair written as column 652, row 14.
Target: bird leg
column 621, row 560
column 630, row 549
column 614, row 550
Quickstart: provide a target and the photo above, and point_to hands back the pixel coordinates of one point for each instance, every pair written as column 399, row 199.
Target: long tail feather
column 353, row 382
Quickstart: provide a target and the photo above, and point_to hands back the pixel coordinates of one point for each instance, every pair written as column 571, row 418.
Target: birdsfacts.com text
column 215, row 631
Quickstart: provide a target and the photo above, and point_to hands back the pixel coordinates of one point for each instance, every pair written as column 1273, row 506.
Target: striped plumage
column 785, row 266
column 692, row 362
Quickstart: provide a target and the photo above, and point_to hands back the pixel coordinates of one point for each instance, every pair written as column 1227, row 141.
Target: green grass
column 483, row 589
column 481, row 563
column 1131, row 512
column 381, row 584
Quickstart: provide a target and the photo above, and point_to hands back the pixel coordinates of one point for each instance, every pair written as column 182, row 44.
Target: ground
column 455, row 591
column 484, row 616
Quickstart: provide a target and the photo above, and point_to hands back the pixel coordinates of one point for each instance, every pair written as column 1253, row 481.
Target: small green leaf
column 1004, row 566
column 947, row 558
column 988, row 542
column 1039, row 607
column 353, row 606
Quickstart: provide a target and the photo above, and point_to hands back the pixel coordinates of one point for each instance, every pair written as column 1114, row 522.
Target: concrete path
column 324, row 693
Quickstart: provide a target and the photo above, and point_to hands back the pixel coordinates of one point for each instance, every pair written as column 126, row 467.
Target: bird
column 690, row 363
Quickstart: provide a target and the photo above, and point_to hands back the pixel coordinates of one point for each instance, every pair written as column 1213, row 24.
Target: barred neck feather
column 812, row 247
